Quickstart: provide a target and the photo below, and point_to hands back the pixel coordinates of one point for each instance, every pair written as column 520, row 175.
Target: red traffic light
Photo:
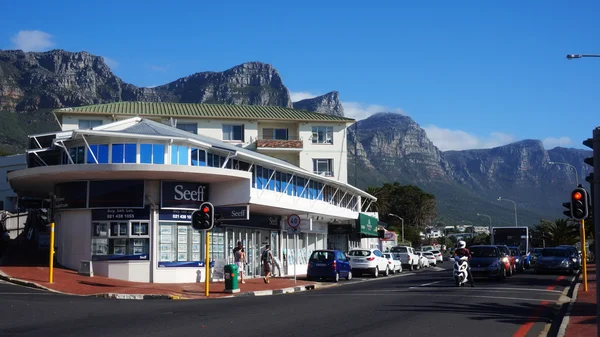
column 205, row 209
column 577, row 196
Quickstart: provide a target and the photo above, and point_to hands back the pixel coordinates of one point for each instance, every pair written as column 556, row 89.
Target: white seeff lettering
column 181, row 194
column 240, row 214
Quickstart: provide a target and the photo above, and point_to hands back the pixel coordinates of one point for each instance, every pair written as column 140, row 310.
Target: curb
column 562, row 330
column 29, row 284
column 279, row 291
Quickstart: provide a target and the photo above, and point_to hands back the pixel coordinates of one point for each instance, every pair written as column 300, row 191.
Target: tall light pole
column 489, row 217
column 569, row 165
column 402, row 224
column 578, row 56
column 514, row 203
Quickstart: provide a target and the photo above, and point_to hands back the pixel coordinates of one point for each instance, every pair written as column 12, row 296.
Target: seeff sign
column 182, row 195
column 233, row 212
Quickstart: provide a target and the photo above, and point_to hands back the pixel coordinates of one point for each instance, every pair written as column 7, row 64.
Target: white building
column 126, row 187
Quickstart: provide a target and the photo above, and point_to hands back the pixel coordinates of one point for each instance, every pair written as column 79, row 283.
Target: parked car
column 368, row 260
column 535, row 254
column 508, row 259
column 330, row 264
column 427, row 248
column 438, row 255
column 430, row 258
column 487, row 261
column 394, row 263
column 423, row 262
column 575, row 255
column 407, row 256
column 557, row 259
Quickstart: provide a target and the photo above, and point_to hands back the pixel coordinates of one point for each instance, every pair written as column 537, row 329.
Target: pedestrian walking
column 239, row 257
column 267, row 262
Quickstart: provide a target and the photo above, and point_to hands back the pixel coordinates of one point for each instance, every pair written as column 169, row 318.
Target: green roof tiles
column 161, row 109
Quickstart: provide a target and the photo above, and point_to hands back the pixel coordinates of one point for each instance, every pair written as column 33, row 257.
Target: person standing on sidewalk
column 267, row 262
column 239, row 257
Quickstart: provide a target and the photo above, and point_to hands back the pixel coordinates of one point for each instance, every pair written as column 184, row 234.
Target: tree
column 382, row 204
column 557, row 232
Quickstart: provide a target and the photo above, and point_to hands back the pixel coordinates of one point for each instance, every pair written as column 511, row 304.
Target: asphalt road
column 422, row 303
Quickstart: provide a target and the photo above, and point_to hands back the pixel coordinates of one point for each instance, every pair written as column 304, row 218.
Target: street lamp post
column 514, row 203
column 569, row 165
column 490, row 218
column 578, row 56
column 402, row 224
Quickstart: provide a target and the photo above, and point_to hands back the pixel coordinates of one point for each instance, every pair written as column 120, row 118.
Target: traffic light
column 579, row 203
column 203, row 219
column 567, row 205
column 381, row 233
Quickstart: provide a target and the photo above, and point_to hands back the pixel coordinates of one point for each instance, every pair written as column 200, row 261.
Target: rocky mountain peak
column 328, row 104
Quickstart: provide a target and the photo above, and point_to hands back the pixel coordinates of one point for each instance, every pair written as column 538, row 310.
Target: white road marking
column 439, row 295
column 495, row 289
column 430, row 283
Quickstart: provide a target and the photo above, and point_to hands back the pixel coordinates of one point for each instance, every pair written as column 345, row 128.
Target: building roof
column 227, row 111
column 146, row 127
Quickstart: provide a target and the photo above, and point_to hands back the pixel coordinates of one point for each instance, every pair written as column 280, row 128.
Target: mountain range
column 384, row 147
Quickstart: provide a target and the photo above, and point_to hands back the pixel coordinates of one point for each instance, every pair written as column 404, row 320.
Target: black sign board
column 71, row 194
column 232, row 212
column 255, row 221
column 182, row 195
column 120, row 214
column 175, row 215
column 116, row 194
column 339, row 229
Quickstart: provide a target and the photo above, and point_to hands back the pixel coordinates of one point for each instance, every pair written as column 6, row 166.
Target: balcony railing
column 324, row 173
column 268, row 141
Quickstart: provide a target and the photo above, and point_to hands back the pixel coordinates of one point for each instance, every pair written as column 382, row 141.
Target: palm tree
column 559, row 232
column 382, row 204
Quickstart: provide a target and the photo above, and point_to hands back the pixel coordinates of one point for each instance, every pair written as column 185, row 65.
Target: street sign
column 294, row 230
column 293, row 220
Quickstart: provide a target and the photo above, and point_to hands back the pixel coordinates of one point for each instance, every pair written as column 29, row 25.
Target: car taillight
column 310, row 265
column 370, row 258
column 334, row 265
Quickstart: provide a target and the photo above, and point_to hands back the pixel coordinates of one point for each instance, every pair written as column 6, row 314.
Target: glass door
column 257, row 251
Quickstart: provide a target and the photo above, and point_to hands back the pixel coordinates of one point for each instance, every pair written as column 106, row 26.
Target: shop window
column 152, row 153
column 124, row 153
column 179, row 245
column 198, row 157
column 126, row 240
column 179, row 155
column 100, row 152
column 77, row 154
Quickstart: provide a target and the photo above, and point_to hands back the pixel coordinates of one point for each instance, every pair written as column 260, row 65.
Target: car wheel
column 387, row 271
column 349, row 277
column 376, row 272
column 337, row 277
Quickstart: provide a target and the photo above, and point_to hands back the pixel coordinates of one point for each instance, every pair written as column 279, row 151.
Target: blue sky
column 474, row 74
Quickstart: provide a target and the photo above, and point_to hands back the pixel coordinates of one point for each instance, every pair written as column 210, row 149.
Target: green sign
column 367, row 224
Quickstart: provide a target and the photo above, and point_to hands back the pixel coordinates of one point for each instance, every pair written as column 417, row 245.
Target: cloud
column 32, row 40
column 446, row 139
column 111, row 63
column 552, row 142
column 298, row 96
column 354, row 110
column 155, row 67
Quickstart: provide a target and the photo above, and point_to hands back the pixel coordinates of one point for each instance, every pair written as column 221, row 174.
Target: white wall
column 337, row 151
column 73, row 235
column 72, row 122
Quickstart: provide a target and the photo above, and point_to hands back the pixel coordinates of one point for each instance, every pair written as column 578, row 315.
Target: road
column 423, row 303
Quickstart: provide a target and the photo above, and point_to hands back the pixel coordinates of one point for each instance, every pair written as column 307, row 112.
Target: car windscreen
column 555, row 252
column 514, row 252
column 322, row 256
column 399, row 250
column 359, row 253
column 484, row 252
column 387, row 255
column 435, row 251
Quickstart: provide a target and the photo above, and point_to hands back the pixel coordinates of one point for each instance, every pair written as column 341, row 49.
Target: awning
column 367, row 225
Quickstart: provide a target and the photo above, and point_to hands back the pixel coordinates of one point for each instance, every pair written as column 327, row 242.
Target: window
column 124, row 153
column 233, row 133
column 120, row 240
column 279, row 134
column 189, row 127
column 322, row 135
column 198, row 157
column 89, row 123
column 100, row 152
column 179, row 155
column 152, row 153
column 178, row 242
column 323, row 167
column 77, row 154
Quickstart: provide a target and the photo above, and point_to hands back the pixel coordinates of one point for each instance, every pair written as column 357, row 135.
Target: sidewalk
column 69, row 282
column 582, row 318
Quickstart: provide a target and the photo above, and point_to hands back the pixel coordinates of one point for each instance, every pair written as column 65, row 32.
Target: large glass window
column 233, row 132
column 179, row 155
column 89, row 123
column 198, row 157
column 178, row 242
column 189, row 127
column 124, row 153
column 322, row 135
column 77, row 154
column 120, row 240
column 274, row 133
column 152, row 153
column 98, row 151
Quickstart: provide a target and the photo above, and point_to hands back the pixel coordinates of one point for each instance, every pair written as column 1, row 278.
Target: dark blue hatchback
column 331, row 264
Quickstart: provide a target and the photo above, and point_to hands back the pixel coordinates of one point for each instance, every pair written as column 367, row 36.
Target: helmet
column 462, row 244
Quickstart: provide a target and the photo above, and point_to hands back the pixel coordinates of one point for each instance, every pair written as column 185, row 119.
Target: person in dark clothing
column 462, row 251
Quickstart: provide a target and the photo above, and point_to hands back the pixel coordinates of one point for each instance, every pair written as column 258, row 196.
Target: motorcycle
column 461, row 275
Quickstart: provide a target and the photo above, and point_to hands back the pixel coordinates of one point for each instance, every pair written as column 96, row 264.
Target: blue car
column 486, row 261
column 329, row 264
column 556, row 259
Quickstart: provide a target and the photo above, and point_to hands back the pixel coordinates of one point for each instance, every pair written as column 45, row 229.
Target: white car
column 368, row 260
column 394, row 262
column 423, row 262
column 438, row 255
column 407, row 256
column 431, row 258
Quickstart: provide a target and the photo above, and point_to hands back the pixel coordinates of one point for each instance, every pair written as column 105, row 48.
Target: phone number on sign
column 120, row 216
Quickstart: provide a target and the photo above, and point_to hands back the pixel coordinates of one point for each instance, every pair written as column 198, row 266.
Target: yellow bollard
column 51, row 269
